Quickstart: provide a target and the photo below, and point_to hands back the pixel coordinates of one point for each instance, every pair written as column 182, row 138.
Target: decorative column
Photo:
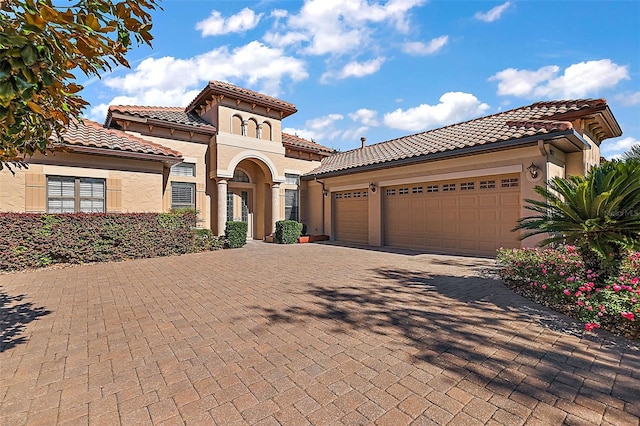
column 275, row 205
column 259, row 134
column 222, row 205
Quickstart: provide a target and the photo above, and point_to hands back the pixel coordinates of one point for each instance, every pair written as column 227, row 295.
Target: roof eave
column 159, row 123
column 496, row 146
column 166, row 159
column 210, row 89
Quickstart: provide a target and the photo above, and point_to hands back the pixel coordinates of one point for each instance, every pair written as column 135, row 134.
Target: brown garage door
column 351, row 217
column 469, row 216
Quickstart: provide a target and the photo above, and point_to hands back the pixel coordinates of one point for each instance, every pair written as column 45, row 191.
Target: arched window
column 240, row 176
column 266, row 131
column 236, row 125
column 252, row 128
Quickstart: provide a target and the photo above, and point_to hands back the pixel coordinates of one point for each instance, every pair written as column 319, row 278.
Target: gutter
column 570, row 134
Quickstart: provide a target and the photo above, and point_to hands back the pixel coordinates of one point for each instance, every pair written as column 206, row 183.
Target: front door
column 240, row 207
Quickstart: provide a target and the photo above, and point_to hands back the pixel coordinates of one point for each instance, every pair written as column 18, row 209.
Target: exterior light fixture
column 534, row 171
column 373, row 187
column 325, row 192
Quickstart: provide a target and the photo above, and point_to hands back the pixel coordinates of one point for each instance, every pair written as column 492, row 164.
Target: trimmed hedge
column 202, row 239
column 236, row 234
column 36, row 240
column 288, row 231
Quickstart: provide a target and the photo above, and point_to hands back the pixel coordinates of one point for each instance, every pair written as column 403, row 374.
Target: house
column 456, row 189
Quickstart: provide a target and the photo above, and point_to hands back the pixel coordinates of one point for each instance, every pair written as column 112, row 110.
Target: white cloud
column 419, row 48
column 493, row 14
column 339, row 26
column 616, row 147
column 216, row 24
column 522, row 82
column 453, row 107
column 578, row 80
column 368, row 117
column 360, row 69
column 319, row 129
column 170, row 80
column 629, row 99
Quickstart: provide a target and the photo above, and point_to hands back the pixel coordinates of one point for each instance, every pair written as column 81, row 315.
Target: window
column 432, row 188
column 391, row 192
column 347, row 195
column 291, row 204
column 291, row 179
column 510, row 183
column 356, row 195
column 365, row 194
column 183, row 195
column 338, row 196
column 240, row 176
column 487, row 184
column 448, row 187
column 417, row 190
column 467, row 186
column 403, row 191
column 184, row 169
column 70, row 195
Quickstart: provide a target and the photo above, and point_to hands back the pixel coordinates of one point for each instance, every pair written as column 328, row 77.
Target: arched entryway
column 250, row 196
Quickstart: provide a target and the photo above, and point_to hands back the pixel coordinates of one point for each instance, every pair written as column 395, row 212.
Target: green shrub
column 288, row 231
column 236, row 234
column 35, row 240
column 202, row 239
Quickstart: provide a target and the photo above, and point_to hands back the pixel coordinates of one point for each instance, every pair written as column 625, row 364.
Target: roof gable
column 220, row 88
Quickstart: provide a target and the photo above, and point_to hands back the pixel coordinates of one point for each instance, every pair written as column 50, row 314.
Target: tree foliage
column 599, row 213
column 44, row 44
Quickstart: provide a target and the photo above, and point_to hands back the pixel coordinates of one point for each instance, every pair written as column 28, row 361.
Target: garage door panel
column 475, row 218
column 351, row 218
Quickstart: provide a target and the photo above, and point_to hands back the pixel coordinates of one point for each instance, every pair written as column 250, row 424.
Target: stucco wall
column 490, row 163
column 131, row 185
column 196, row 153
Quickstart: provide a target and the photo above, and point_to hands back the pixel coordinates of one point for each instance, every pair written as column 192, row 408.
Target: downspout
column 321, row 183
column 545, row 154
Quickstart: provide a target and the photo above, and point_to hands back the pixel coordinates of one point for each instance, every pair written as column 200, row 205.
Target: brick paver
column 304, row 334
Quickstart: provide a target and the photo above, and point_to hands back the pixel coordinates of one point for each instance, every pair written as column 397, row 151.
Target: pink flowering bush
column 557, row 278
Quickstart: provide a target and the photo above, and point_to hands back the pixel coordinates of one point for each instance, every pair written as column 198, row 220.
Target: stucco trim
column 516, row 168
column 239, row 141
column 349, row 187
column 250, row 154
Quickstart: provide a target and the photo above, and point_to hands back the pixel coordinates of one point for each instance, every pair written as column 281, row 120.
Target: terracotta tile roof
column 542, row 118
column 176, row 115
column 223, row 88
column 296, row 142
column 90, row 134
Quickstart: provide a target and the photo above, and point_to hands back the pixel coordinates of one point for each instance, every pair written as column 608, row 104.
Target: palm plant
column 633, row 154
column 598, row 213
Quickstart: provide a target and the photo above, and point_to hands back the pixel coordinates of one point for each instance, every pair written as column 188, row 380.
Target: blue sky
column 385, row 69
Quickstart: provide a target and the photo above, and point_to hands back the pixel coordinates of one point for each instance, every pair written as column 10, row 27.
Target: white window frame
column 77, row 198
column 184, row 169
column 191, row 186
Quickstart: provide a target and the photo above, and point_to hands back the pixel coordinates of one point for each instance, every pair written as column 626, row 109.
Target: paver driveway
column 299, row 334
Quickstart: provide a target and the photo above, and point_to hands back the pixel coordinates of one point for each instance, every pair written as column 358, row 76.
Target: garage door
column 351, row 217
column 468, row 216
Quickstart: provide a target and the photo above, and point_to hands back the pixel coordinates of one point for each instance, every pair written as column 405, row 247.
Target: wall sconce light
column 325, row 192
column 373, row 187
column 534, row 171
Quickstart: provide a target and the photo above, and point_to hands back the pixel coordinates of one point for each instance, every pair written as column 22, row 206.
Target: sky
column 387, row 69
